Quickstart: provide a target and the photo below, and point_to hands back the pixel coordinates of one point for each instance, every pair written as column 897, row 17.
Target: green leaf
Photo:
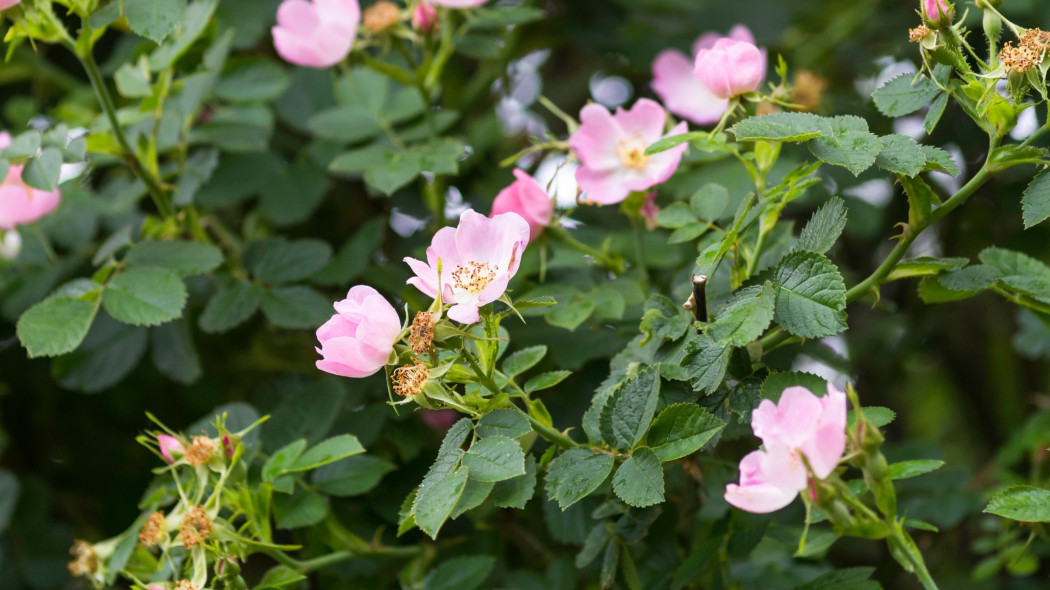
column 474, row 494
column 639, row 481
column 251, row 79
column 1021, row 502
column 301, row 509
column 626, row 416
column 495, row 458
column 109, row 352
column 283, row 458
column 279, row 576
column 497, row 17
column 520, row 361
column 132, row 81
column 460, row 573
column 904, row 95
column 794, row 127
column 662, row 145
column 776, row 383
column 939, row 160
column 42, row 171
column 825, row 227
column 676, row 216
column 971, row 278
column 296, row 307
column 546, row 380
column 327, row 451
column 23, row 145
column 680, row 430
column 575, row 474
column 709, row 203
column 933, row 116
column 237, row 129
column 506, row 422
column 592, row 545
column 55, row 326
column 1011, row 263
column 856, row 578
column 908, row 469
column 174, row 353
column 744, row 318
column 153, row 19
column 480, row 46
column 277, row 260
column 571, row 314
column 706, row 363
column 352, row 476
column 924, row 266
column 811, row 295
column 354, row 255
column 663, row 319
column 345, row 124
column 1035, row 204
column 877, row 415
column 231, row 307
column 9, row 490
column 434, row 503
column 516, row 492
column 901, row 155
column 850, row 144
column 145, row 296
column 179, row 256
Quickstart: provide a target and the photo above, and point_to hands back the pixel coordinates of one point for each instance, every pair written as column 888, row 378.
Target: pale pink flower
column 316, row 34
column 8, row 3
column 799, row 425
column 681, row 90
column 424, row 18
column 458, row 3
column 527, row 198
column 169, row 445
column 358, row 339
column 730, row 67
column 477, row 260
column 20, row 203
column 611, row 149
column 935, row 10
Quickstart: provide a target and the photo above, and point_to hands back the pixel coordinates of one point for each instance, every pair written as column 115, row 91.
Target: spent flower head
column 381, row 16
column 200, row 451
column 196, row 527
column 154, row 531
column 410, row 379
column 85, row 559
column 421, row 334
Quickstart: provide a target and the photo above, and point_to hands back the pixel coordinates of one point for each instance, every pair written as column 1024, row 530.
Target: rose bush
column 444, row 294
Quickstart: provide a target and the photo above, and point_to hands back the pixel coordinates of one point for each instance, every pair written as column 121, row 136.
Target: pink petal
column 603, row 187
column 824, row 450
column 741, row 33
column 298, row 17
column 646, row 118
column 783, row 467
column 344, row 357
column 425, row 279
column 595, row 141
column 682, row 92
column 464, row 313
column 758, row 499
column 458, row 3
column 5, row 137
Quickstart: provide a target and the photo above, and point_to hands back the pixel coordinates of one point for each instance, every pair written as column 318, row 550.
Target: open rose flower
column 731, row 67
column 611, row 149
column 477, row 260
column 316, row 34
column 8, row 3
column 20, row 203
column 458, row 3
column 527, row 198
column 799, row 425
column 358, row 339
column 681, row 90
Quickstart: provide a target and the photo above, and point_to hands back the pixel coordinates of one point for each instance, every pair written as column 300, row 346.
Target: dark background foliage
column 952, row 372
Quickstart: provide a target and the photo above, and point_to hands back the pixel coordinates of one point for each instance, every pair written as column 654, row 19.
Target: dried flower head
column 153, row 531
column 381, row 16
column 185, row 585
column 421, row 335
column 85, row 560
column 809, row 88
column 200, row 451
column 410, row 379
column 919, row 33
column 1037, row 41
column 765, row 108
column 1018, row 58
column 196, row 527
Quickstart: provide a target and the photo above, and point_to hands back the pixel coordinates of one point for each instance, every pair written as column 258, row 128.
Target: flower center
column 794, row 459
column 409, row 380
column 631, row 152
column 473, row 276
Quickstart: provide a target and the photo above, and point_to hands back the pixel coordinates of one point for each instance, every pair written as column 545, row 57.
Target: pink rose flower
column 731, row 67
column 316, row 34
column 800, row 424
column 527, row 198
column 20, row 203
column 611, row 149
column 681, row 90
column 358, row 339
column 8, row 3
column 169, row 445
column 458, row 3
column 935, row 10
column 477, row 260
column 424, row 18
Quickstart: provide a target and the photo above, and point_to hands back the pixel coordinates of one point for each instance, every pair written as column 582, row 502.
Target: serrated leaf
column 434, row 503
column 231, row 307
column 856, row 578
column 971, row 278
column 639, row 481
column 1035, row 203
column 296, row 307
column 460, row 573
column 351, row 476
column 629, row 411
column 145, row 296
column 1021, row 502
column 776, row 383
column 933, row 116
column 904, row 95
column 174, row 353
column 575, row 474
column 782, row 127
column 901, row 155
column 710, row 202
column 277, row 260
column 850, row 144
column 516, row 492
column 1011, row 263
column 506, row 422
column 522, row 360
column 824, row 228
column 592, row 545
column 279, row 576
column 706, row 363
column 909, row 469
column 55, row 326
column 153, row 19
column 677, row 215
column 546, row 380
column 744, row 318
column 495, row 458
column 924, row 266
column 680, row 430
column 42, row 171
column 179, row 256
column 571, row 314
column 327, row 451
column 301, row 509
column 282, row 458
column 811, row 295
column 939, row 160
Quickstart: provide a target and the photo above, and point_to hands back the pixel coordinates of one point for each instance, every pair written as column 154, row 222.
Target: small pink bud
column 526, row 198
column 358, row 339
column 169, row 445
column 316, row 34
column 228, row 444
column 935, row 10
column 8, row 3
column 731, row 67
column 424, row 19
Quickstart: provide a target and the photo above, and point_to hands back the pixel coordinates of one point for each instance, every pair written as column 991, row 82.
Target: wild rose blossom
column 424, row 18
column 527, row 198
column 169, row 445
column 681, row 90
column 458, row 3
column 730, row 67
column 611, row 149
column 20, row 203
column 800, row 424
column 477, row 260
column 358, row 339
column 935, row 10
column 8, row 3
column 316, row 34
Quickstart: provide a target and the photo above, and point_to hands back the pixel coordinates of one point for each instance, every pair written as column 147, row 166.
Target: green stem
column 562, row 235
column 752, row 265
column 552, row 435
column 639, row 248
column 153, row 187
